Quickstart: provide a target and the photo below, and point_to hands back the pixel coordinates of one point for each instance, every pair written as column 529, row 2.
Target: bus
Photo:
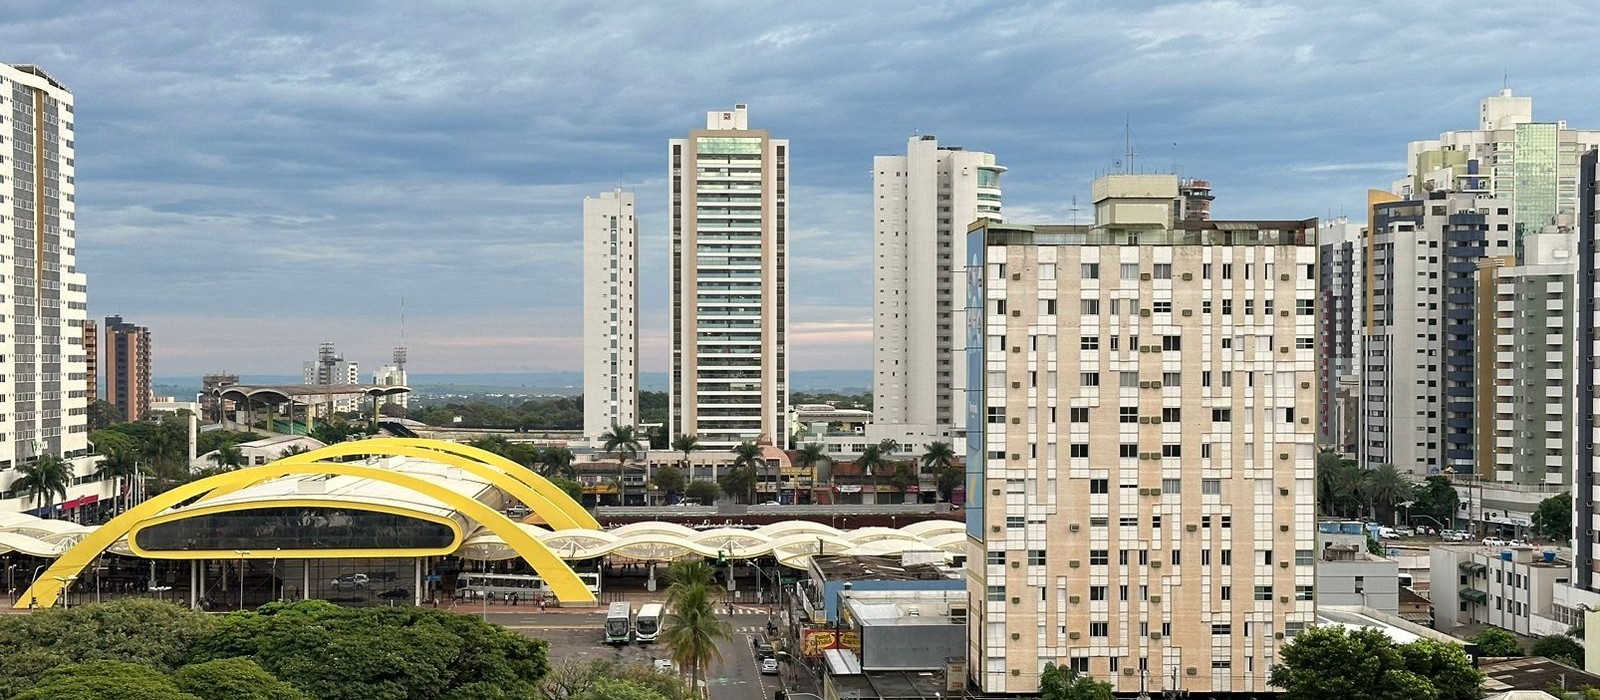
column 618, row 623
column 474, row 584
column 648, row 623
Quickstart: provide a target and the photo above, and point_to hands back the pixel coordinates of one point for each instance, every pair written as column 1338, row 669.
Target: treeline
column 542, row 413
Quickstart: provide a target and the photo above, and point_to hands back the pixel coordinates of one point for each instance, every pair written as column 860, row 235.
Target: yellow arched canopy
column 560, row 499
column 565, row 584
column 557, row 511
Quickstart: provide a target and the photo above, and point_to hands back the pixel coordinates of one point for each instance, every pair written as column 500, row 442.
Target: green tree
column 1437, row 499
column 810, row 457
column 937, row 456
column 99, row 680
column 685, row 574
column 872, row 462
column 233, row 679
column 144, row 632
column 1339, row 484
column 1558, row 648
column 1334, row 662
column 1063, row 683
column 121, row 467
column 669, row 480
column 687, row 444
column 293, row 450
column 747, row 458
column 703, row 492
column 557, row 461
column 1552, row 520
column 573, row 679
column 103, row 414
column 692, row 629
column 1445, row 665
column 902, row 476
column 227, row 458
column 618, row 689
column 622, row 443
column 385, row 653
column 1496, row 642
column 108, row 440
column 1384, row 488
column 948, row 480
column 42, row 479
column 572, row 488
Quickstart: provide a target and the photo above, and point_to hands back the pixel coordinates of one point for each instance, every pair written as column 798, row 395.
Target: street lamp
column 242, row 554
column 66, row 583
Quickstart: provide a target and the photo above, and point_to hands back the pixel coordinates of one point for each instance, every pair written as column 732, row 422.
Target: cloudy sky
column 256, row 177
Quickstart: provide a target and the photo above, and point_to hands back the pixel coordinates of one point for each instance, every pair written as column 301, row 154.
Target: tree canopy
column 1335, row 662
column 1496, row 642
column 1063, row 683
column 1559, row 648
column 1553, row 518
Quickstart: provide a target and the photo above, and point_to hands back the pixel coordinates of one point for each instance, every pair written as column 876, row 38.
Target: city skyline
column 255, row 183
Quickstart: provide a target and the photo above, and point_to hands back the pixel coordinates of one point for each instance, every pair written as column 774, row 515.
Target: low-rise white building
column 1348, row 574
column 263, row 451
column 1506, row 587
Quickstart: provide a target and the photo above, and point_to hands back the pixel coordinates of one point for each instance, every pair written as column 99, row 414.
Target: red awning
column 80, row 502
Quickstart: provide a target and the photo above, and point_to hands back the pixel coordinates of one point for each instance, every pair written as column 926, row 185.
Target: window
column 1122, row 554
column 1303, row 343
column 1249, row 305
column 1128, row 380
column 1128, row 414
column 1163, row 271
column 1099, row 521
column 1161, row 307
column 1361, row 583
column 1266, row 307
column 1205, row 378
column 1223, row 628
column 1205, row 521
column 1089, row 271
column 1263, row 593
column 1227, row 591
column 1227, row 271
column 1221, row 663
column 1097, row 592
column 1089, row 379
column 1155, row 521
column 1221, row 415
column 1227, row 557
column 1079, row 449
column 1305, row 307
column 1171, row 450
column 1171, row 485
column 1098, row 557
column 1080, row 664
column 997, row 414
column 1130, row 271
column 1227, row 307
column 1047, row 307
column 1088, row 342
column 1099, row 486
column 1098, row 629
column 1144, row 557
column 1227, row 521
column 997, row 594
column 1171, row 378
column 1089, row 307
column 1211, row 487
column 1129, row 450
column 1177, row 557
column 1303, row 557
column 1122, row 590
column 1172, row 342
column 1035, row 557
column 995, row 558
column 1302, row 592
column 1205, row 271
column 1015, row 522
column 1205, row 557
column 1079, row 415
column 1171, row 415
column 1205, row 306
column 1205, row 450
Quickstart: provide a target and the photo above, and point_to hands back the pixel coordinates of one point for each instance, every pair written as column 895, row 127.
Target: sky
column 254, row 178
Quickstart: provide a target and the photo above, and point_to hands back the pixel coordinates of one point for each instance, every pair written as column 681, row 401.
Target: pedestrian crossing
column 749, row 610
column 751, row 629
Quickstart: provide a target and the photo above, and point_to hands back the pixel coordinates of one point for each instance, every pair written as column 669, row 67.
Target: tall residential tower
column 128, row 368
column 1141, row 454
column 925, row 201
column 610, row 313
column 729, row 203
column 43, row 380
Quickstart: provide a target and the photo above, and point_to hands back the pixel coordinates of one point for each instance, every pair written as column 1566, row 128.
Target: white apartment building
column 392, row 375
column 44, row 380
column 924, row 202
column 1532, row 167
column 729, row 204
column 330, row 368
column 1141, row 452
column 610, row 313
column 1512, row 588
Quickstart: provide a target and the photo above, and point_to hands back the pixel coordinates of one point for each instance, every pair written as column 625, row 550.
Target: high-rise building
column 330, row 368
column 610, row 313
column 1140, row 453
column 1339, row 347
column 925, row 201
column 394, row 374
column 43, row 380
column 729, row 203
column 1419, row 338
column 1532, row 167
column 1585, row 398
column 91, row 365
column 128, row 368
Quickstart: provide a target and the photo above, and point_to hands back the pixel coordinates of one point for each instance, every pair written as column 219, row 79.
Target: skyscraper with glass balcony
column 729, row 285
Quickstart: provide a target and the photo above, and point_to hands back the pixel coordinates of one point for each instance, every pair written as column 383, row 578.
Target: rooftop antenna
column 1074, row 209
column 1127, row 139
column 400, row 352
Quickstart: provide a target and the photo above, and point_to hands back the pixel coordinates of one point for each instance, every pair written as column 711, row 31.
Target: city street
column 576, row 636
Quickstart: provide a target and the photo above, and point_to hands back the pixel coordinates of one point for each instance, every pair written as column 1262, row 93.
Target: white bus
column 647, row 624
column 618, row 623
column 474, row 584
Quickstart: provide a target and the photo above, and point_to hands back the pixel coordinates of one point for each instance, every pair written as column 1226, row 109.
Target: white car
column 1405, row 532
column 1454, row 535
column 1494, row 542
column 1518, row 543
column 1388, row 533
column 771, row 503
column 769, row 666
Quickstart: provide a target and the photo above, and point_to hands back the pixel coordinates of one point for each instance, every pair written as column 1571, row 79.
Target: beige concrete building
column 730, row 268
column 1141, row 453
column 610, row 314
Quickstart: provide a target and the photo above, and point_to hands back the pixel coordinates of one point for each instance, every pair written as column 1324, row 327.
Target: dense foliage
column 1063, row 683
column 608, row 680
column 1496, row 642
column 1553, row 518
column 1335, row 662
column 146, row 650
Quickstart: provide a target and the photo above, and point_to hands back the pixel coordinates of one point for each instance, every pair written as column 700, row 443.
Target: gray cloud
column 256, row 177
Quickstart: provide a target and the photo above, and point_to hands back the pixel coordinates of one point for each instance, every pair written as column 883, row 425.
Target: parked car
column 769, row 666
column 350, row 582
column 1494, row 542
column 1454, row 535
column 1388, row 533
column 771, row 503
column 1405, row 532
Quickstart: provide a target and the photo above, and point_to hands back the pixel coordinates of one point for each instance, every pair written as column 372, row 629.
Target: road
column 576, row 636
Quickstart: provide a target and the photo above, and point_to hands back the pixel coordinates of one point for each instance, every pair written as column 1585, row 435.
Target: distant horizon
column 857, row 380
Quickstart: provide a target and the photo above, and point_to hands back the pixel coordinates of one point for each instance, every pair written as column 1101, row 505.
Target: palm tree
column 688, row 573
column 692, row 629
column 687, row 444
column 871, row 461
column 292, row 451
column 747, row 455
column 43, row 478
column 622, row 442
column 937, row 456
column 557, row 461
column 120, row 466
column 808, row 458
column 227, row 458
column 1384, row 488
